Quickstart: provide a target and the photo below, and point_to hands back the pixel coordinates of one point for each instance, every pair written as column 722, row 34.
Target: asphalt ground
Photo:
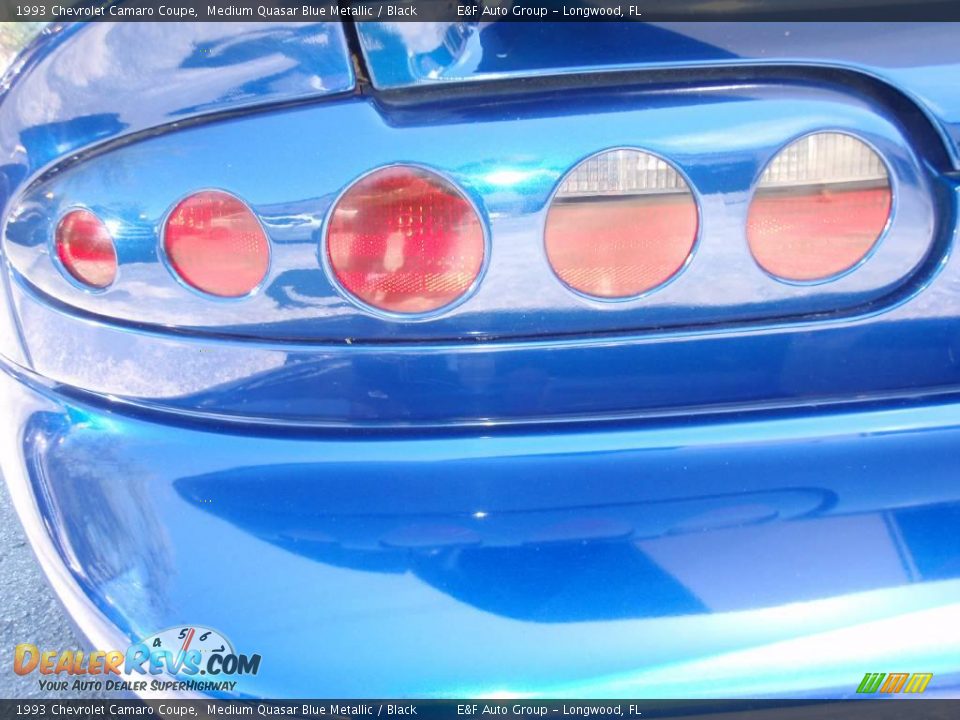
column 29, row 611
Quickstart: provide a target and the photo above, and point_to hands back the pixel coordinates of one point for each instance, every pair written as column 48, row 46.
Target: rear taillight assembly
column 819, row 208
column 405, row 240
column 215, row 244
column 621, row 224
column 85, row 249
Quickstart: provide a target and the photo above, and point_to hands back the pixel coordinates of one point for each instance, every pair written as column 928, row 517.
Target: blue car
column 488, row 359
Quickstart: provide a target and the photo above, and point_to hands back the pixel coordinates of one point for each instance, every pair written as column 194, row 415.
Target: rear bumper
column 757, row 555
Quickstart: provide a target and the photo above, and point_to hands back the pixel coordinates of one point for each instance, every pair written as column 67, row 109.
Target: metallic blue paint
column 739, row 488
column 83, row 84
column 751, row 556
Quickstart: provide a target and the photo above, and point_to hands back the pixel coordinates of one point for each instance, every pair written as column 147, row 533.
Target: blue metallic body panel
column 87, row 83
column 712, row 501
column 919, row 59
column 891, row 355
column 751, row 556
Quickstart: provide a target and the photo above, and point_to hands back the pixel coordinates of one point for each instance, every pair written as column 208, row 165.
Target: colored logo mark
column 894, row 682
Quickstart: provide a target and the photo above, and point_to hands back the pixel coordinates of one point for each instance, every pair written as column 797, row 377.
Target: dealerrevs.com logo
column 174, row 659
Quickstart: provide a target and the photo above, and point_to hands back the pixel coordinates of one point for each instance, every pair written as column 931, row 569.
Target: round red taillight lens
column 86, row 249
column 622, row 223
column 820, row 206
column 405, row 240
column 214, row 242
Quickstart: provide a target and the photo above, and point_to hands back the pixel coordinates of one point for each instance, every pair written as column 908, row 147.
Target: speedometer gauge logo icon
column 191, row 650
column 177, row 640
